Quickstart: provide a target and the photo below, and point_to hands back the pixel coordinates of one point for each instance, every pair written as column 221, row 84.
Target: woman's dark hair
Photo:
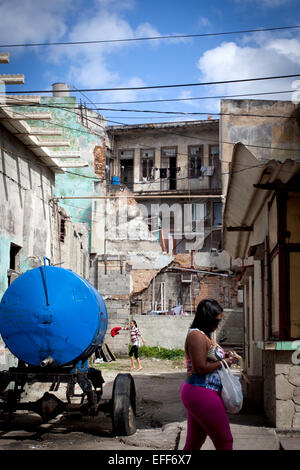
column 133, row 321
column 205, row 318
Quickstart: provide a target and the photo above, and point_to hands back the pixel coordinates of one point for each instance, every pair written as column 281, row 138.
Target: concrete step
column 289, row 442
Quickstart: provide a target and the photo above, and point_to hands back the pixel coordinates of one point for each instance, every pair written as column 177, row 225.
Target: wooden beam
column 73, row 165
column 59, row 154
column 45, row 131
column 54, row 157
column 270, row 186
column 12, row 79
column 4, row 58
column 42, row 131
column 51, row 143
column 27, row 116
column 242, row 228
column 20, row 99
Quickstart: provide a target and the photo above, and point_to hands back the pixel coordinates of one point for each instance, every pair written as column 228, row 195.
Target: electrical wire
column 213, row 141
column 151, row 87
column 177, row 113
column 197, row 98
column 178, row 99
column 150, row 38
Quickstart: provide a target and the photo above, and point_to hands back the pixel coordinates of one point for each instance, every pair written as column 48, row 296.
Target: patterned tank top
column 211, row 380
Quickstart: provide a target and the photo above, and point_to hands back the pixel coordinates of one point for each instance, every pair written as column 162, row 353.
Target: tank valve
column 46, row 362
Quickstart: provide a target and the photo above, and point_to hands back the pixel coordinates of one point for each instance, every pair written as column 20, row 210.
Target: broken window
column 147, row 163
column 217, row 213
column 14, row 256
column 62, row 230
column 14, row 263
column 215, row 167
column 168, row 169
column 195, row 156
column 126, row 162
column 109, row 165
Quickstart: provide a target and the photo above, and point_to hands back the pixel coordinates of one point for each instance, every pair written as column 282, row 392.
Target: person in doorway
column 201, row 391
column 135, row 337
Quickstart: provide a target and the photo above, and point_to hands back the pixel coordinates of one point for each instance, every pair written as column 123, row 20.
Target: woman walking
column 135, row 336
column 200, row 392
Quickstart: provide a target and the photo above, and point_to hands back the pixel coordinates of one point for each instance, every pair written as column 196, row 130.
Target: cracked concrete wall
column 25, row 214
column 29, row 221
column 157, row 136
column 263, row 132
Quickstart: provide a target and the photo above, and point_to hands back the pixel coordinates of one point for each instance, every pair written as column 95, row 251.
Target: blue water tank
column 50, row 316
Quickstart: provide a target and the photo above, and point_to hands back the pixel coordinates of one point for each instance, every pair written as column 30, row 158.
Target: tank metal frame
column 90, row 381
column 121, row 407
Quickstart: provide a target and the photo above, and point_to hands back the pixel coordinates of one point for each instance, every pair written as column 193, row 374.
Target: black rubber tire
column 124, row 405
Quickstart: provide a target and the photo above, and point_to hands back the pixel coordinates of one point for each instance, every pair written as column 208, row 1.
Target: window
column 195, row 154
column 147, row 164
column 217, row 220
column 14, row 256
column 109, row 164
column 126, row 167
column 168, row 170
column 62, row 230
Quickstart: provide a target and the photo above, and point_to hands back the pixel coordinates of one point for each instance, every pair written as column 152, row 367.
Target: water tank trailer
column 52, row 320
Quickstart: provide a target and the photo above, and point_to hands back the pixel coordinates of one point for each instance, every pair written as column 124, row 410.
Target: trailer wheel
column 123, row 405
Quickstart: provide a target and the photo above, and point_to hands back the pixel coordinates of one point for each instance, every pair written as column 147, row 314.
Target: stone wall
column 168, row 331
column 282, row 390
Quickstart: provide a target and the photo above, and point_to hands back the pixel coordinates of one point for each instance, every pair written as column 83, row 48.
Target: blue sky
column 148, row 63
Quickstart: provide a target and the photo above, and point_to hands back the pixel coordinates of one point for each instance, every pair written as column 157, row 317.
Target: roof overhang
column 251, row 181
column 21, row 130
column 165, row 126
column 29, row 136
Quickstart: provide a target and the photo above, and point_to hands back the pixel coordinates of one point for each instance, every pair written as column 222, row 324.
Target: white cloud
column 264, row 3
column 229, row 61
column 87, row 65
column 203, row 21
column 32, row 20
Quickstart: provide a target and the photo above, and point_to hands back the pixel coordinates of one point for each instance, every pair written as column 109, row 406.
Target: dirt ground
column 159, row 415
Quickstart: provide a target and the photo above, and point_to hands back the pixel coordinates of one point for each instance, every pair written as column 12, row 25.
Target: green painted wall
column 75, row 181
column 4, row 262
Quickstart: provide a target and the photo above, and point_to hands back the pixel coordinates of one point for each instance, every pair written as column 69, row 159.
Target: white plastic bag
column 231, row 392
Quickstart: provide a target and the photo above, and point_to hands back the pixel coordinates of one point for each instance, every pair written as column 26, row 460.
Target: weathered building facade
column 170, row 176
column 262, row 227
column 32, row 224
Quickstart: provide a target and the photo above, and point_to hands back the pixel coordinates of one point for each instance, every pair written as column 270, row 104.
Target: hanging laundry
column 163, row 172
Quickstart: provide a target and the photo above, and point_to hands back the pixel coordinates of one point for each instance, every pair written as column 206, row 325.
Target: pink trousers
column 206, row 416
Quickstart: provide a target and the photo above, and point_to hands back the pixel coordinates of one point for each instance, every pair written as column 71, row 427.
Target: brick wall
column 100, row 160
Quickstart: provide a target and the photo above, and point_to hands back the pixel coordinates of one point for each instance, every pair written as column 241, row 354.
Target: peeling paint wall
column 30, row 221
column 157, row 137
column 25, row 214
column 254, row 123
column 85, row 130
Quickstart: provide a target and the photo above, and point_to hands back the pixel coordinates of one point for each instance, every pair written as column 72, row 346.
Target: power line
column 196, row 98
column 175, row 99
column 176, row 113
column 151, row 87
column 213, row 141
column 149, row 38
